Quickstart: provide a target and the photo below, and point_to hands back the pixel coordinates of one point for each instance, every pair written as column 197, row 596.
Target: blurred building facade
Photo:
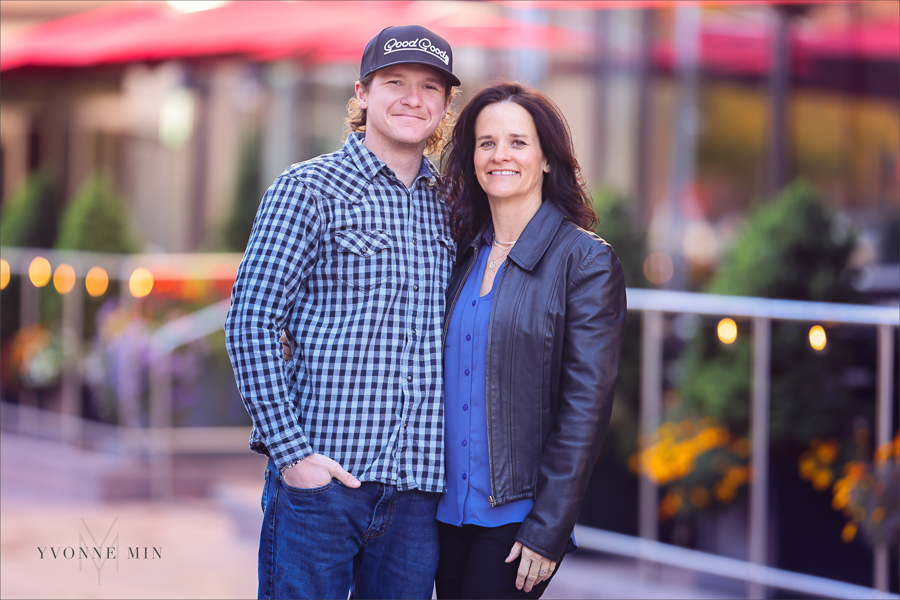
column 675, row 107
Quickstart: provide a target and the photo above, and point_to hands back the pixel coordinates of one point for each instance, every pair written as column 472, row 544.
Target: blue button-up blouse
column 466, row 501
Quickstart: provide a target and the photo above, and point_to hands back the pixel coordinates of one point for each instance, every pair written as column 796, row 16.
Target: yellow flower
column 849, row 532
column 827, row 452
column 840, row 499
column 699, row 497
column 855, row 469
column 822, row 479
column 634, row 464
column 742, row 447
column 707, row 439
column 807, row 467
column 667, row 430
column 724, row 492
column 722, row 435
column 671, row 503
column 741, row 475
column 882, row 453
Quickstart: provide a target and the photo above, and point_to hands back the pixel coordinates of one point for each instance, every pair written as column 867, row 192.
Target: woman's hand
column 533, row 568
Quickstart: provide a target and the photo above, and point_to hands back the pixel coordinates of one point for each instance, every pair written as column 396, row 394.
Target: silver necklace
column 499, row 244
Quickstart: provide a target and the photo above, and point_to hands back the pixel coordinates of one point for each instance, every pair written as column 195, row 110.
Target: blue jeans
column 373, row 541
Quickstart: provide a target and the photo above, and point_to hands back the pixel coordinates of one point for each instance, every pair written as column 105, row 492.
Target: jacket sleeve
column 592, row 347
column 280, row 256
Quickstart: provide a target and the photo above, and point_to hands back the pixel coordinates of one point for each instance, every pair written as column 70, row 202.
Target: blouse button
column 465, row 442
column 465, row 407
column 464, row 476
column 466, row 371
column 468, row 337
column 473, row 303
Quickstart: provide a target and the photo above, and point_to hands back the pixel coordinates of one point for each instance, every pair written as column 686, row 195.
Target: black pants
column 471, row 563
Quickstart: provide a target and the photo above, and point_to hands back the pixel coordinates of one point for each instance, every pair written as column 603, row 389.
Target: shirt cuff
column 289, row 448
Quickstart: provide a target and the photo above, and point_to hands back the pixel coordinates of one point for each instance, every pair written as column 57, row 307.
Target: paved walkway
column 53, row 497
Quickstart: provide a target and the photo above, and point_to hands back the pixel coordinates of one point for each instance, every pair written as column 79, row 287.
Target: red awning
column 322, row 31
column 318, row 30
column 736, row 46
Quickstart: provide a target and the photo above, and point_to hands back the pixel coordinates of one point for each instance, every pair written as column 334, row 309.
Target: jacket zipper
column 486, row 404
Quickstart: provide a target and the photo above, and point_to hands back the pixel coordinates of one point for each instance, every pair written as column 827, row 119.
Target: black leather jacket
column 553, row 350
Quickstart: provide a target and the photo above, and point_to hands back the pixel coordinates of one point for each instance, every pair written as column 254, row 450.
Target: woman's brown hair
column 563, row 185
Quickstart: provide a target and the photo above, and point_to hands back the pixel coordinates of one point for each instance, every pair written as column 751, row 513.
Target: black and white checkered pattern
column 354, row 266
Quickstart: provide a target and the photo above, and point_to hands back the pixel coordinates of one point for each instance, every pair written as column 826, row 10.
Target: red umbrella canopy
column 734, row 45
column 264, row 30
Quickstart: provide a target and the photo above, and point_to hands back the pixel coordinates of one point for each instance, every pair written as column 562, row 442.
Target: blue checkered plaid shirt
column 353, row 265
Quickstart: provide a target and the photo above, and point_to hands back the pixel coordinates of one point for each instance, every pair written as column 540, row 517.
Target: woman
column 533, row 336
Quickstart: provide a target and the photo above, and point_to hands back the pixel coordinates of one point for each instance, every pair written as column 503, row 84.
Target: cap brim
column 450, row 77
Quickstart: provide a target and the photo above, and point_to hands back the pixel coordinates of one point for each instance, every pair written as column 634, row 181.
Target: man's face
column 404, row 104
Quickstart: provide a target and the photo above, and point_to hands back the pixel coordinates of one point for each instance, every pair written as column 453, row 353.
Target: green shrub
column 791, row 249
column 25, row 220
column 246, row 198
column 617, row 225
column 96, row 220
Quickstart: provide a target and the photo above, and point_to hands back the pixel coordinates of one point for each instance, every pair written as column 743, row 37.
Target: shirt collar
column 369, row 165
column 535, row 238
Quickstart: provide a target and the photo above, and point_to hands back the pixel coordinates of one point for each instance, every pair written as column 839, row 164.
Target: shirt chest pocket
column 446, row 254
column 366, row 259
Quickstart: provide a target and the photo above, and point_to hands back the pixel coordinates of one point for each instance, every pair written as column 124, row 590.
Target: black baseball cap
column 408, row 44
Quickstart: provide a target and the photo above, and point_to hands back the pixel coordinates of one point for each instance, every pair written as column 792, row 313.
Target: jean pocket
column 308, row 491
column 366, row 258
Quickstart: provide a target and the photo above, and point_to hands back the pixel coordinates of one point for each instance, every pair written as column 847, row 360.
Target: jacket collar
column 536, row 237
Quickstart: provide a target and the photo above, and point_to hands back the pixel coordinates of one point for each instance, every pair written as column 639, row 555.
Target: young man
column 349, row 258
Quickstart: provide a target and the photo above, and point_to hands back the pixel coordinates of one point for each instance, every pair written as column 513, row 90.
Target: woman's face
column 509, row 163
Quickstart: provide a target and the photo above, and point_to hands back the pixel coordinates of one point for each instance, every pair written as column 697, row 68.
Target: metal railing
column 654, row 303
column 721, row 566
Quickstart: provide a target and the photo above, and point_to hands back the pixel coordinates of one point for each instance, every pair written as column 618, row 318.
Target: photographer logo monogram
column 99, row 547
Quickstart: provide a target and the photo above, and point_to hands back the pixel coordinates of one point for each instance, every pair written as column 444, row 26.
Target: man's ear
column 362, row 95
